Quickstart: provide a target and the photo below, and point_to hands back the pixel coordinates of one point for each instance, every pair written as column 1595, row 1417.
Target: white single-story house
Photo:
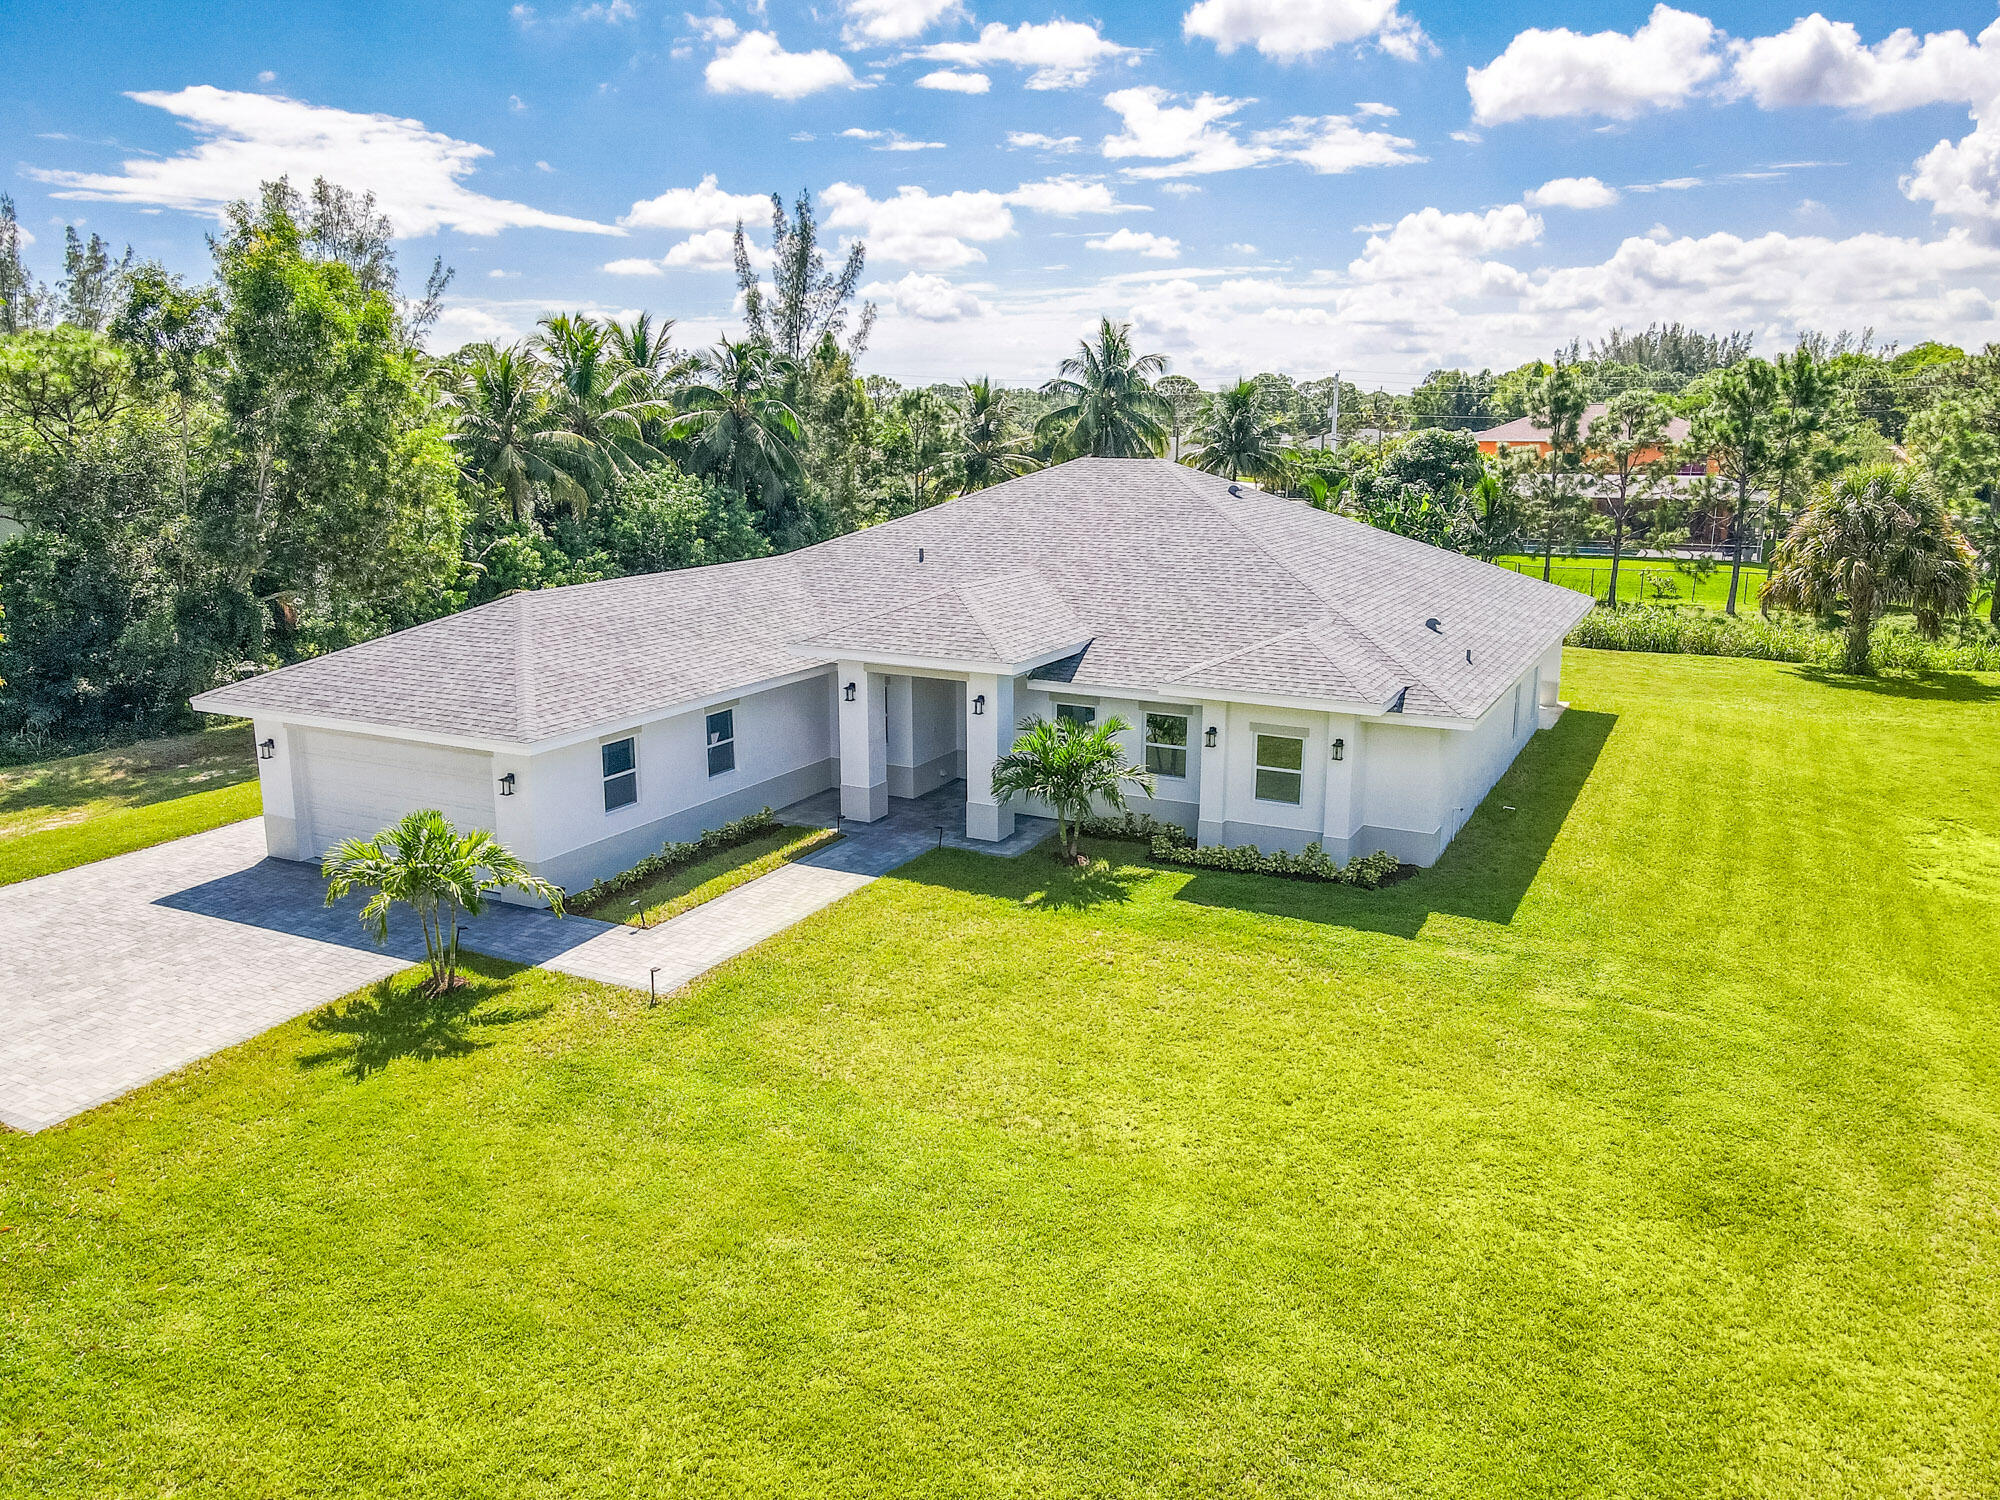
column 1291, row 676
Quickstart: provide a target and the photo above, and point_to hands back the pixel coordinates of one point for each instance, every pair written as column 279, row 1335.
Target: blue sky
column 1377, row 186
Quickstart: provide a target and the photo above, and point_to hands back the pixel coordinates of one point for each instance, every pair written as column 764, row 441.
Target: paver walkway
column 114, row 973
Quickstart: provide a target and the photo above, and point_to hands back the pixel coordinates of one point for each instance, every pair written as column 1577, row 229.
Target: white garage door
column 354, row 786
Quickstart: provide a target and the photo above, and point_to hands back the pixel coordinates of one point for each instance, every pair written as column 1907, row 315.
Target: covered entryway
column 355, row 785
column 926, row 733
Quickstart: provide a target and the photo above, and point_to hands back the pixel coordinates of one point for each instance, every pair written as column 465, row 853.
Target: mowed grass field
column 1648, row 1146
column 58, row 813
column 1652, row 580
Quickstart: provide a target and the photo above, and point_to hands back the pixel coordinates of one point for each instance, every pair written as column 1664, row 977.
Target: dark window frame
column 621, row 781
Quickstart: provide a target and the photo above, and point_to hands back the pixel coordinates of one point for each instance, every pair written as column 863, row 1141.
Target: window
column 1080, row 714
column 721, row 741
column 1166, row 744
column 1281, row 762
column 621, row 773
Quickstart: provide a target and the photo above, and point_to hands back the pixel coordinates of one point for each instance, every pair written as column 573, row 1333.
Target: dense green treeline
column 204, row 480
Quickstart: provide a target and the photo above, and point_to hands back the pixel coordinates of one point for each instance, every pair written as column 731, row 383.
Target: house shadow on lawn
column 398, row 1018
column 1484, row 874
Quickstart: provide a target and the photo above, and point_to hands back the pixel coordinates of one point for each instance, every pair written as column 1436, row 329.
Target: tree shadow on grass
column 1067, row 887
column 396, row 1018
column 1483, row 875
column 1935, row 687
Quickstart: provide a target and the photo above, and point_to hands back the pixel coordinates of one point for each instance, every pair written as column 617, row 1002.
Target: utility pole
column 1333, row 436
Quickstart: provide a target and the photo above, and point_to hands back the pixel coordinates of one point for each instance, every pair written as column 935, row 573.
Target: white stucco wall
column 784, row 751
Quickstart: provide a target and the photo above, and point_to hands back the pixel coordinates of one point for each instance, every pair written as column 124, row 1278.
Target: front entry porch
column 908, row 827
column 907, row 736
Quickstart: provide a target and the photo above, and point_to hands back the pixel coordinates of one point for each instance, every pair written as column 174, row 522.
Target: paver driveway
column 115, row 973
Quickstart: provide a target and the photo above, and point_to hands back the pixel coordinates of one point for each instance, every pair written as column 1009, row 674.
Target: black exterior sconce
column 1340, row 749
column 507, row 785
column 267, row 749
column 848, row 692
column 1209, row 739
column 978, row 704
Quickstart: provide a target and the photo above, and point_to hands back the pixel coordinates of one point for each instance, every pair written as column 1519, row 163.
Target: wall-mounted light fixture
column 978, row 704
column 507, row 785
column 1211, row 737
column 848, row 692
column 1340, row 749
column 266, row 749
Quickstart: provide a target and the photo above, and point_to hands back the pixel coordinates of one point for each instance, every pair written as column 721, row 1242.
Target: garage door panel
column 354, row 786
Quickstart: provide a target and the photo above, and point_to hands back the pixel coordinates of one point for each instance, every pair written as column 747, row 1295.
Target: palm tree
column 1070, row 766
column 994, row 449
column 1238, row 439
column 1876, row 537
column 742, row 431
column 501, row 429
column 1106, row 406
column 429, row 866
column 600, row 398
column 640, row 346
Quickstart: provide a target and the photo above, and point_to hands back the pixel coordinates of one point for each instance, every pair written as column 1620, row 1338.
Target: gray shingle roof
column 1174, row 581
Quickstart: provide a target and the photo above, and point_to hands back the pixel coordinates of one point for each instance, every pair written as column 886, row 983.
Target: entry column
column 1211, row 827
column 989, row 734
column 864, row 743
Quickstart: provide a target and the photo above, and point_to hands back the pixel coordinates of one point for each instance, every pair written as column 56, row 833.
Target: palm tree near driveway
column 439, row 873
column 1239, row 439
column 503, row 435
column 741, row 431
column 1876, row 537
column 1072, row 767
column 1106, row 406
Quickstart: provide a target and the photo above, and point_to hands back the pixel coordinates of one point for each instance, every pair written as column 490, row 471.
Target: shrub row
column 1171, row 845
column 1368, row 871
column 1700, row 632
column 672, row 856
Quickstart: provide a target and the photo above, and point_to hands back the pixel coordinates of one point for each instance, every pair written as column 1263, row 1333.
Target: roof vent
column 1468, row 656
column 1396, row 704
column 920, row 554
column 1432, row 624
column 1236, row 490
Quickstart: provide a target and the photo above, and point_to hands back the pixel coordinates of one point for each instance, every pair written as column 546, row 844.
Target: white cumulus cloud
column 416, row 174
column 703, row 206
column 1138, row 242
column 1549, row 74
column 1034, row 140
column 894, row 20
column 1199, row 136
column 1292, row 29
column 1062, row 54
column 947, row 81
column 1571, row 192
column 755, row 63
column 1820, row 62
column 931, row 299
column 933, row 232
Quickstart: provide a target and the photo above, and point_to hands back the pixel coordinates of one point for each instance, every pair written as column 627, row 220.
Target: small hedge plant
column 672, row 856
column 1171, row 845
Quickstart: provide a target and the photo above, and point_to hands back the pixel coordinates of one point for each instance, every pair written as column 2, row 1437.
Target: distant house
column 1525, row 432
column 1290, row 676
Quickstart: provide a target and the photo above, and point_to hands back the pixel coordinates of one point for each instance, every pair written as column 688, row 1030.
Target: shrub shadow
column 390, row 1021
column 1484, row 874
column 1936, row 687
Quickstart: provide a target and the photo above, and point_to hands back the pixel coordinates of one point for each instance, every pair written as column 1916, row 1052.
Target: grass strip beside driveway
column 689, row 886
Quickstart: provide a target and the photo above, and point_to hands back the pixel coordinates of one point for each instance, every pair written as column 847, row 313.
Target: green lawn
column 1640, row 580
column 683, row 889
column 1648, row 1146
column 59, row 813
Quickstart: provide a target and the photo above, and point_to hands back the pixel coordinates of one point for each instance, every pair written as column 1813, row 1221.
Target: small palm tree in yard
column 439, row 873
column 1071, row 767
column 1875, row 537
